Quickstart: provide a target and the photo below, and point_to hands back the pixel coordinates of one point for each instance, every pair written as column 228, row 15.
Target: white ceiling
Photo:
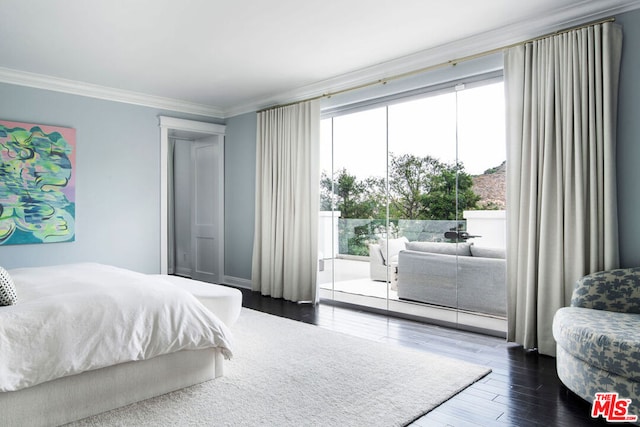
column 224, row 57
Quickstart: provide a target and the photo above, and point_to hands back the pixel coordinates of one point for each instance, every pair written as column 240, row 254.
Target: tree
column 409, row 178
column 425, row 188
column 352, row 197
column 440, row 202
column 421, row 188
column 375, row 197
column 326, row 192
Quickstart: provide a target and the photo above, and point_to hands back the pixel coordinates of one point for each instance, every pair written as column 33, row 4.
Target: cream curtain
column 287, row 201
column 561, row 173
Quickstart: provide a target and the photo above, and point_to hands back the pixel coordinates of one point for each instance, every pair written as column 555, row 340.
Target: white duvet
column 74, row 318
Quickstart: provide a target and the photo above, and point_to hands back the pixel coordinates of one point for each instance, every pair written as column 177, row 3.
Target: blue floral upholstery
column 612, row 290
column 598, row 336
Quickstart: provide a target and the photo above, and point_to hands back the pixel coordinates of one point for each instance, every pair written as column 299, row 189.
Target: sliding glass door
column 410, row 187
column 354, row 205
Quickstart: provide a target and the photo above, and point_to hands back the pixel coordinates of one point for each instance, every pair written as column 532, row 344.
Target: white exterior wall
column 328, row 234
column 491, row 225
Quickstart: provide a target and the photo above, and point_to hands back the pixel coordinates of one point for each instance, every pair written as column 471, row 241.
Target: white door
column 205, row 210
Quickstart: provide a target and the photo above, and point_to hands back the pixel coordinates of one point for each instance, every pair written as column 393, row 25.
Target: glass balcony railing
column 350, row 273
column 345, row 260
column 355, row 235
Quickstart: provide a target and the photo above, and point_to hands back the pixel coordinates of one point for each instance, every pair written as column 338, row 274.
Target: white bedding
column 74, row 318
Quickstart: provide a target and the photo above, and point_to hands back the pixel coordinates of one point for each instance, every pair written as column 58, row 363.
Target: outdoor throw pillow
column 7, row 289
column 394, row 247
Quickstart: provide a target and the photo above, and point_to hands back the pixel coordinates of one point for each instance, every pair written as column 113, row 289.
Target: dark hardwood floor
column 523, row 388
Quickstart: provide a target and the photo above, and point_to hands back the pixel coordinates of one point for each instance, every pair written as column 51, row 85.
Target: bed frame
column 79, row 396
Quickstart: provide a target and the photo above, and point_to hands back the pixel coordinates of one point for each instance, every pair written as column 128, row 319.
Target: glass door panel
column 482, row 151
column 405, row 180
column 353, row 184
column 422, row 183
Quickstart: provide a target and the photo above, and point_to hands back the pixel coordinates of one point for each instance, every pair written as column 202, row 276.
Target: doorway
column 196, row 204
column 192, row 199
column 407, row 180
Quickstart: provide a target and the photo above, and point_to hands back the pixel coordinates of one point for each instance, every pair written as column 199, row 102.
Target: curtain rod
column 452, row 63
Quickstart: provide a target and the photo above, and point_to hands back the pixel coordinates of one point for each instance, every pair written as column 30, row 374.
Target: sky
column 426, row 126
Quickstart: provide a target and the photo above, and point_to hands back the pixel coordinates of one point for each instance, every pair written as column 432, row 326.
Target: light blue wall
column 628, row 149
column 117, row 194
column 240, row 177
column 629, row 141
column 117, row 178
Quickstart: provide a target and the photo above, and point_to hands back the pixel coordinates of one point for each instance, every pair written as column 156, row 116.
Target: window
column 413, row 168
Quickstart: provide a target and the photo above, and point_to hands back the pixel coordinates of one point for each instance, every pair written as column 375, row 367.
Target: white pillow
column 392, row 248
column 7, row 289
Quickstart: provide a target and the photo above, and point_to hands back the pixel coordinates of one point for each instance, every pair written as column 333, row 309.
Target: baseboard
column 237, row 281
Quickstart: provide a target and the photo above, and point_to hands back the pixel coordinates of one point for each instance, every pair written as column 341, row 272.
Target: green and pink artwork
column 37, row 184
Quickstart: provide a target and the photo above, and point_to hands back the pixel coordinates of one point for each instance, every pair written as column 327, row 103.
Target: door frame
column 171, row 127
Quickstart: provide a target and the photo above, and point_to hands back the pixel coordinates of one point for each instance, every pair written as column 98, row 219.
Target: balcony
column 345, row 271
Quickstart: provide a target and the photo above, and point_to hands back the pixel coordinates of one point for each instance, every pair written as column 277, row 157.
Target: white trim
column 164, row 200
column 564, row 17
column 515, row 33
column 168, row 124
column 191, row 126
column 41, row 81
column 221, row 181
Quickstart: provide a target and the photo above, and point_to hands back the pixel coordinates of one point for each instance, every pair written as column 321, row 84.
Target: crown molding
column 586, row 11
column 41, row 81
column 566, row 17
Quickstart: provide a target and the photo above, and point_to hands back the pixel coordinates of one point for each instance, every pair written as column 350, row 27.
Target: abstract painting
column 37, row 183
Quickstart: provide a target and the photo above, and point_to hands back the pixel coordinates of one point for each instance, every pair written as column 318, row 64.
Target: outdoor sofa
column 455, row 275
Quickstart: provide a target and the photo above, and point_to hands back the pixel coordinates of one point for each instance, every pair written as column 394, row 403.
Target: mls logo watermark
column 612, row 408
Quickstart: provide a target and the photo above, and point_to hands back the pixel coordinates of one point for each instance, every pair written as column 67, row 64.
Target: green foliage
column 490, row 206
column 495, row 168
column 410, row 177
column 420, row 188
column 356, row 234
column 352, row 197
column 451, row 193
column 425, row 188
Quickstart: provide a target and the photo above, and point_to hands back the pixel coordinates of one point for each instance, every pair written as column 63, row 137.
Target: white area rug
column 287, row 373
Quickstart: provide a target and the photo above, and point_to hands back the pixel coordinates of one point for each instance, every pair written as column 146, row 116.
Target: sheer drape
column 287, row 201
column 561, row 178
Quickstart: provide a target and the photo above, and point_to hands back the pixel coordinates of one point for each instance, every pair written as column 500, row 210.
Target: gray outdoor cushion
column 479, row 251
column 444, row 248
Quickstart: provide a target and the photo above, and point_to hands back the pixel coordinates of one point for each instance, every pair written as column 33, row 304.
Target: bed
column 86, row 338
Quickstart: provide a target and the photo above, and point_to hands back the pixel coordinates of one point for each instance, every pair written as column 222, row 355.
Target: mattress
column 81, row 317
column 223, row 301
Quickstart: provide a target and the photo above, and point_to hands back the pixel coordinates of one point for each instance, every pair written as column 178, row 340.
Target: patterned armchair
column 598, row 336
